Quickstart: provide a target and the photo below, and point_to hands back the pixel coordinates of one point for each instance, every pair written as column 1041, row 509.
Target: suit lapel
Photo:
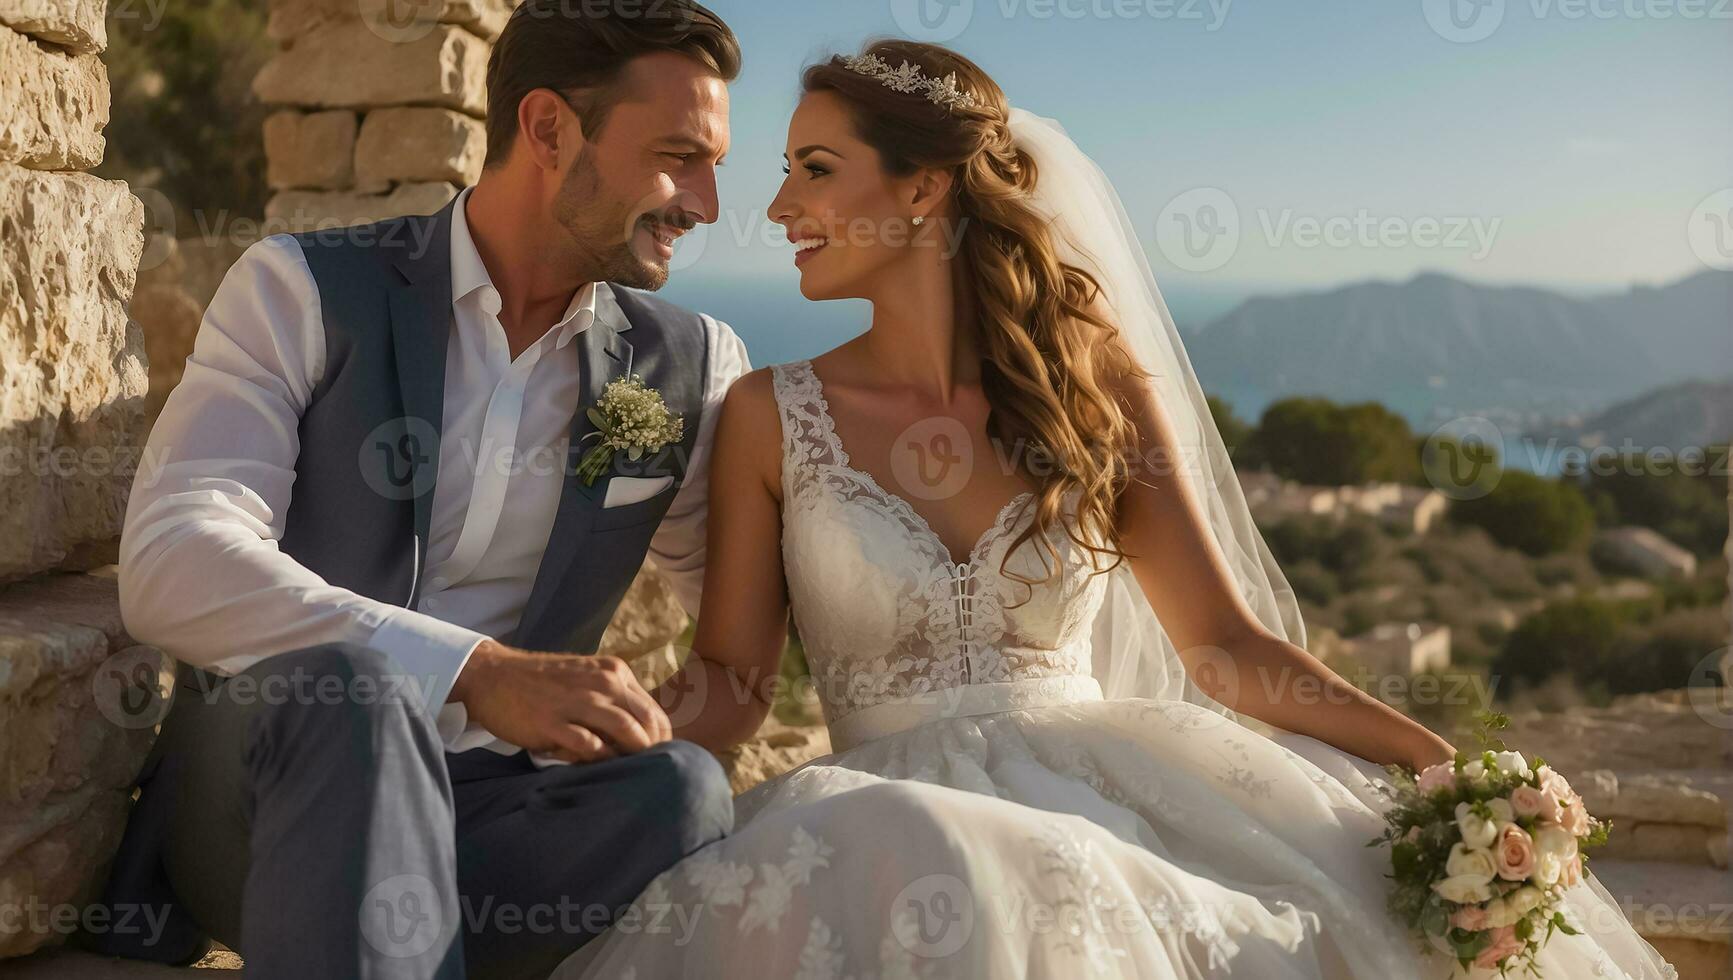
column 603, row 356
column 421, row 315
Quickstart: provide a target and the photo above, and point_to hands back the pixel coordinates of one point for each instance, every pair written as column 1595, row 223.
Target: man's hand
column 578, row 708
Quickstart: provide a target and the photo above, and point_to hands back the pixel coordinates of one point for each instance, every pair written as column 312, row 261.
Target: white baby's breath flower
column 629, row 418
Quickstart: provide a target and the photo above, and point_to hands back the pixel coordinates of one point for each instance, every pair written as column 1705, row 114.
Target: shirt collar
column 469, row 275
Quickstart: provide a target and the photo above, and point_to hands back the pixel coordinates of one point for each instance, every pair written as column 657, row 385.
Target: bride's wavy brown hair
column 1048, row 360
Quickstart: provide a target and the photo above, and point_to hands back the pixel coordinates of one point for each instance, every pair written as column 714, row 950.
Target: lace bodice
column 883, row 611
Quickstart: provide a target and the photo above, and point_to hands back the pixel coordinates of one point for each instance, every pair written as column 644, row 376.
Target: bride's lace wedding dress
column 986, row 813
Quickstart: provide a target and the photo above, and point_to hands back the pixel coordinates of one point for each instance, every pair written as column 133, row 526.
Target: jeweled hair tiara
column 910, row 79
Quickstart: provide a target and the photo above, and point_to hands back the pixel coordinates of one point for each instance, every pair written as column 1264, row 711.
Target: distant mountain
column 1436, row 347
column 1696, row 413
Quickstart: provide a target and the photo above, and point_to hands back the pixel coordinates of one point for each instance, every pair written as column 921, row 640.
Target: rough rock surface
column 1678, row 729
column 776, row 749
column 306, row 210
column 77, row 704
column 293, row 18
column 74, row 378
column 78, row 25
column 418, row 144
column 339, row 67
column 313, row 150
column 53, row 105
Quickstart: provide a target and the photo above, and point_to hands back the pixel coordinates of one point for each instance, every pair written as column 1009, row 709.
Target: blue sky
column 1570, row 147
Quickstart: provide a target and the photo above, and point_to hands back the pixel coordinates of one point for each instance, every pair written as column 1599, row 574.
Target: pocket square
column 623, row 490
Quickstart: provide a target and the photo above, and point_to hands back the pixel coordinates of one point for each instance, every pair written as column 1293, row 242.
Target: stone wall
column 380, row 114
column 72, row 385
column 72, row 370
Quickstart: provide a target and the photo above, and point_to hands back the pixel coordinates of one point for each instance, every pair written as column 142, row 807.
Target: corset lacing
column 964, row 577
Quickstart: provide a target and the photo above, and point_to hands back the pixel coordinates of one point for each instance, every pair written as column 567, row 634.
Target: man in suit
column 393, row 751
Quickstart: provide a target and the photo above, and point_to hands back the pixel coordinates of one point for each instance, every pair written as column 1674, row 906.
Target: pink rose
column 1436, row 777
column 1413, row 834
column 1553, row 782
column 1528, row 801
column 1574, row 816
column 1514, row 851
column 1504, row 943
column 1469, row 917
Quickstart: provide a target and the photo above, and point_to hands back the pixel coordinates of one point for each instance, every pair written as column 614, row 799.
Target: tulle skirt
column 1135, row 838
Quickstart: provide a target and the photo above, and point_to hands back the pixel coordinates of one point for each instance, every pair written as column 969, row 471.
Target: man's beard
column 583, row 209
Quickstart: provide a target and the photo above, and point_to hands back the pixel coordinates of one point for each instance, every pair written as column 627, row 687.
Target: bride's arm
column 1184, row 574
column 722, row 694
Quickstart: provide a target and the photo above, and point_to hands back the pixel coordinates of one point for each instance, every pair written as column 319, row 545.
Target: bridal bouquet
column 1482, row 849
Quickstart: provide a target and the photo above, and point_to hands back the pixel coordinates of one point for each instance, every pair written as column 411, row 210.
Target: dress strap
column 806, row 435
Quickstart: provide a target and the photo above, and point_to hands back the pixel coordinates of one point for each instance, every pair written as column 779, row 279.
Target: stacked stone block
column 381, row 106
column 72, row 385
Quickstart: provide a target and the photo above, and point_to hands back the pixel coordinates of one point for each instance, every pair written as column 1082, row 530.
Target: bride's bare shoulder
column 750, row 427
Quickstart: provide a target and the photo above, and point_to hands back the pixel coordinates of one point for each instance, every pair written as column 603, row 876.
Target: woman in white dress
column 1011, row 539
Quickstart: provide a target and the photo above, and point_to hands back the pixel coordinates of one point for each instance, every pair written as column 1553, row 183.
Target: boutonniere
column 629, row 418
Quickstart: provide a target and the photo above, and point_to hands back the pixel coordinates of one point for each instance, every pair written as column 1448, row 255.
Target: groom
column 392, row 751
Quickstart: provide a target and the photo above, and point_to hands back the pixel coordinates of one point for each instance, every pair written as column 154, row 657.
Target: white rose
column 1525, row 899
column 1464, row 889
column 1478, row 831
column 1513, row 762
column 1547, row 869
column 1554, row 847
column 1475, row 770
column 1470, row 861
column 1506, row 909
column 1499, row 913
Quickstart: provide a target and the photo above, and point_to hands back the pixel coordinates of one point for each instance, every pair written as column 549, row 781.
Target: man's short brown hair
column 580, row 47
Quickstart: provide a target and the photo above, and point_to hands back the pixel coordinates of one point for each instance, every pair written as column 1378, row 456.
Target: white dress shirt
column 201, row 574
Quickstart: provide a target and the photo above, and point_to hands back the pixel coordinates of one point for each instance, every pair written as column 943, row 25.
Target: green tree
column 1578, row 637
column 1684, row 498
column 1315, row 441
column 1532, row 514
column 1236, row 434
column 184, row 120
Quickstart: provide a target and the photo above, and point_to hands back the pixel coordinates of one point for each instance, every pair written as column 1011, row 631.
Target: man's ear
column 539, row 116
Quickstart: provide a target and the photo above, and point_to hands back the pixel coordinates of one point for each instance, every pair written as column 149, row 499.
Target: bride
column 1014, row 547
